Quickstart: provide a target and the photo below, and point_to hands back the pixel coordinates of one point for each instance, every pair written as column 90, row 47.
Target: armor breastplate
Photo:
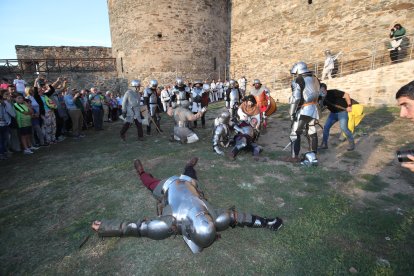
column 308, row 98
column 152, row 96
column 134, row 98
column 190, row 210
column 182, row 195
column 311, row 91
column 180, row 93
column 234, row 95
column 196, row 94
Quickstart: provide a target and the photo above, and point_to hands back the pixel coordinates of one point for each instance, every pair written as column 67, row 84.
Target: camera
column 402, row 155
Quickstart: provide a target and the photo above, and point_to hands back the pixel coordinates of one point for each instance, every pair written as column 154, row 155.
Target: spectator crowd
column 47, row 112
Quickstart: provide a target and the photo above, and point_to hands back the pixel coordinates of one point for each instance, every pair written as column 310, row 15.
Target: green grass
column 372, row 183
column 48, row 201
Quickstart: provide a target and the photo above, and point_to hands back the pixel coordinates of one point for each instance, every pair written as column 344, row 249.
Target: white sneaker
column 27, row 151
column 34, row 148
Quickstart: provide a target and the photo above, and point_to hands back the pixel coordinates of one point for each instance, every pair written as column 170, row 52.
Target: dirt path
column 373, row 160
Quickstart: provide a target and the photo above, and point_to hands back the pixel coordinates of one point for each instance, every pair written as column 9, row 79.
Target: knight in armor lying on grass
column 182, row 210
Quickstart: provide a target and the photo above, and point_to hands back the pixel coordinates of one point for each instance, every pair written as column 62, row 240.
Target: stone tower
column 165, row 39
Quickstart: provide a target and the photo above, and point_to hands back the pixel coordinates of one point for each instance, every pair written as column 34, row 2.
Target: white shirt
column 20, row 85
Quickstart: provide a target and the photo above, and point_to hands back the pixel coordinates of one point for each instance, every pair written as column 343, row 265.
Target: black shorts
column 25, row 130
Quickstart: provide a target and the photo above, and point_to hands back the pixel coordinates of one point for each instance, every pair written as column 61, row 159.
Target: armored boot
column 273, row 224
column 148, row 130
column 351, row 145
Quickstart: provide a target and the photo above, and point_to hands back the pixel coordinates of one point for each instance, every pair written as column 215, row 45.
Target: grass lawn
column 49, row 199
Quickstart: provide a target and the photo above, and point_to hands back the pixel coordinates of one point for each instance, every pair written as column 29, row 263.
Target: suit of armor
column 245, row 138
column 221, row 132
column 181, row 93
column 182, row 116
column 233, row 98
column 198, row 101
column 183, row 210
column 151, row 101
column 304, row 110
column 131, row 110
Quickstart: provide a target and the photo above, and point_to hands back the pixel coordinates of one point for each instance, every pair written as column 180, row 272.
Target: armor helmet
column 232, row 83
column 153, row 84
column 203, row 230
column 135, row 83
column 198, row 81
column 256, row 81
column 299, row 68
column 179, row 82
column 309, row 159
column 224, row 117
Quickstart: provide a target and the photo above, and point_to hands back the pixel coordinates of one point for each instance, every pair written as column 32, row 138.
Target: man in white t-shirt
column 20, row 84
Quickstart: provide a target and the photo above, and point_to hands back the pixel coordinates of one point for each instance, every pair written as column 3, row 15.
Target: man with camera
column 397, row 34
column 405, row 98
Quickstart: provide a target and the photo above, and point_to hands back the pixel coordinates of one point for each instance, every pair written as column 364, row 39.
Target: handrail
column 48, row 65
column 370, row 57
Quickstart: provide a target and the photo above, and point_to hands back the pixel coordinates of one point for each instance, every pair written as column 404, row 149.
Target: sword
column 287, row 146
column 152, row 120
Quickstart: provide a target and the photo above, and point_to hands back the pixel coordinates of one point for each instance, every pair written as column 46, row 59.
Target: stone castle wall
column 104, row 80
column 268, row 38
column 45, row 52
column 374, row 87
column 258, row 39
column 164, row 39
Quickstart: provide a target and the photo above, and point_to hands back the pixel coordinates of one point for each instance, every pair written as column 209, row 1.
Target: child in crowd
column 24, row 122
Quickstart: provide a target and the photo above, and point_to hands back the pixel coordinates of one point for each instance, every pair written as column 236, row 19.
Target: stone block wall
column 164, row 39
column 269, row 36
column 373, row 87
column 45, row 52
column 104, row 80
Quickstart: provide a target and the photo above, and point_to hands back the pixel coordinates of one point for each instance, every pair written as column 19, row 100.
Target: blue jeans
column 97, row 114
column 342, row 117
column 4, row 138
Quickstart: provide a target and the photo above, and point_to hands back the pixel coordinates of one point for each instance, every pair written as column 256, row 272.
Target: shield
column 272, row 107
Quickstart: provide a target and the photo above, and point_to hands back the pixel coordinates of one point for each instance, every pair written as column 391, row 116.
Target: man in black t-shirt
column 339, row 104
